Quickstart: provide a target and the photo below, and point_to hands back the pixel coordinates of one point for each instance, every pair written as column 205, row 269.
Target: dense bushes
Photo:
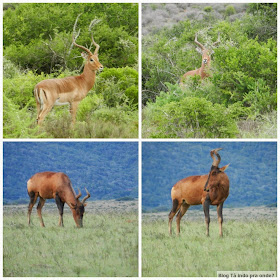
column 40, row 47
column 242, row 85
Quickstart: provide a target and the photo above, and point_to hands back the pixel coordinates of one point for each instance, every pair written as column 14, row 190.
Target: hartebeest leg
column 174, row 210
column 39, row 210
column 73, row 110
column 220, row 217
column 33, row 198
column 206, row 206
column 180, row 214
column 60, row 206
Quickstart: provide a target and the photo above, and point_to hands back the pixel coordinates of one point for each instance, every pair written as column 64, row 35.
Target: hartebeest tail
column 208, row 189
column 57, row 185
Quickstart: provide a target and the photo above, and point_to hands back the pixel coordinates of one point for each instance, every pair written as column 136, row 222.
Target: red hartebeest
column 57, row 185
column 203, row 71
column 69, row 90
column 209, row 189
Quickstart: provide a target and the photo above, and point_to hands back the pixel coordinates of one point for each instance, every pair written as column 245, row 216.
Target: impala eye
column 91, row 59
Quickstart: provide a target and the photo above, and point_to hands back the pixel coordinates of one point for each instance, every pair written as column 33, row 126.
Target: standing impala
column 203, row 71
column 69, row 90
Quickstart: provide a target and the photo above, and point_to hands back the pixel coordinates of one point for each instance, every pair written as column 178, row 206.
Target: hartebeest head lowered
column 203, row 71
column 209, row 189
column 57, row 185
column 69, row 90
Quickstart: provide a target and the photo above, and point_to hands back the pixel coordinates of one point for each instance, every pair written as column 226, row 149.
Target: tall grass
column 245, row 246
column 107, row 245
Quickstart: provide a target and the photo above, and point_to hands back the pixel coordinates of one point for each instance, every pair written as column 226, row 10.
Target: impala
column 203, row 71
column 57, row 185
column 209, row 189
column 69, row 90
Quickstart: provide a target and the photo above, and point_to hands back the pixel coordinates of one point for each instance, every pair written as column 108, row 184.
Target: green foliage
column 242, row 79
column 208, row 9
column 107, row 246
column 230, row 10
column 124, row 89
column 256, row 240
column 43, row 43
column 17, row 123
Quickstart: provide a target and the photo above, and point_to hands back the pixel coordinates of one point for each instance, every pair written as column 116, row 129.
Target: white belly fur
column 57, row 103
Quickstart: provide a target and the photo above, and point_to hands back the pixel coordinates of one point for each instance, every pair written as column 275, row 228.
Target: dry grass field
column 107, row 245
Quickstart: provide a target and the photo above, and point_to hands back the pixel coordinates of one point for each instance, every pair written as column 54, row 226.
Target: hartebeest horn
column 79, row 194
column 215, row 161
column 86, row 197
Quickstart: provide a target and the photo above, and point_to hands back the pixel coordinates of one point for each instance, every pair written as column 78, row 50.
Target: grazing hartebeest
column 55, row 185
column 209, row 189
column 69, row 90
column 203, row 71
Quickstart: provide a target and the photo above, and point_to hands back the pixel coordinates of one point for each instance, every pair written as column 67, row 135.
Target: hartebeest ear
column 85, row 204
column 224, row 168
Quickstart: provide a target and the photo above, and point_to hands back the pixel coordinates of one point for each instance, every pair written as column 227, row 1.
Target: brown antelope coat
column 57, row 185
column 209, row 189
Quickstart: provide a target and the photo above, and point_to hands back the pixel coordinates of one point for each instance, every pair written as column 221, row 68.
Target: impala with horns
column 203, row 71
column 57, row 185
column 69, row 90
column 209, row 189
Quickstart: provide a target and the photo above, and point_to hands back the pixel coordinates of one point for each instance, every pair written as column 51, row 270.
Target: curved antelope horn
column 96, row 45
column 74, row 39
column 218, row 40
column 79, row 194
column 79, row 46
column 215, row 161
column 86, row 197
column 199, row 44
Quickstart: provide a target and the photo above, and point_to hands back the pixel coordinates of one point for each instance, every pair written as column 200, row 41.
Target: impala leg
column 73, row 110
column 174, row 210
column 39, row 110
column 33, row 198
column 220, row 217
column 39, row 210
column 60, row 206
column 46, row 109
column 206, row 206
column 180, row 214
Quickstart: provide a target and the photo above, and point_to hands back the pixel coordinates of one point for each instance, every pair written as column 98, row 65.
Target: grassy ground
column 107, row 245
column 246, row 246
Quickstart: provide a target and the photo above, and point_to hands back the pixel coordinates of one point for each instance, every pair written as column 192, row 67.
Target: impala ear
column 85, row 204
column 224, row 168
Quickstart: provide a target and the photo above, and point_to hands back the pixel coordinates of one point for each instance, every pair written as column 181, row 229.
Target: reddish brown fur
column 57, row 185
column 191, row 191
